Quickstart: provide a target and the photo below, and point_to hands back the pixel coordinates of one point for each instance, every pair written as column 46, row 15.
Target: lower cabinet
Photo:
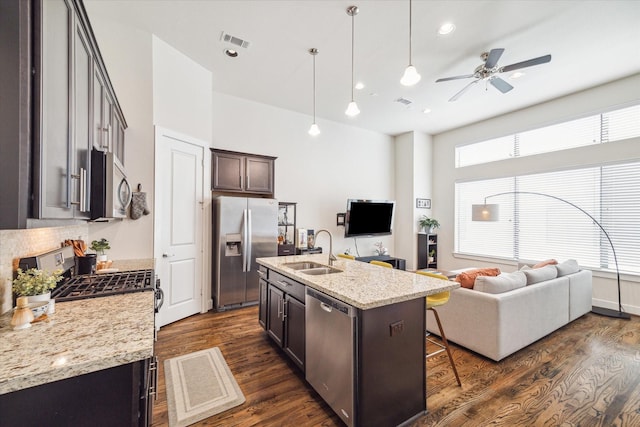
column 282, row 314
column 118, row 396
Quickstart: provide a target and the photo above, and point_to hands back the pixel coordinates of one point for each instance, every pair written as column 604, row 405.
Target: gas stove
column 75, row 287
column 99, row 285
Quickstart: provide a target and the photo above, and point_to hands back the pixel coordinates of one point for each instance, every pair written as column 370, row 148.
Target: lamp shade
column 485, row 212
column 314, row 130
column 410, row 76
column 352, row 109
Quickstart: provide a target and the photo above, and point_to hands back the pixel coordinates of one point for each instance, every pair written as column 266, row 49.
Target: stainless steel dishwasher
column 330, row 351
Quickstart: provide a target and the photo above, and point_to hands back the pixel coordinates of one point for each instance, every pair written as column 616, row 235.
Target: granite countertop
column 80, row 337
column 360, row 284
column 133, row 264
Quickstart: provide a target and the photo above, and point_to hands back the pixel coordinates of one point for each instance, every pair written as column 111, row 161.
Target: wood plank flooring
column 585, row 374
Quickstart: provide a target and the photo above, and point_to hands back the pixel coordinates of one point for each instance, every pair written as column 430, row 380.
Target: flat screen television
column 368, row 217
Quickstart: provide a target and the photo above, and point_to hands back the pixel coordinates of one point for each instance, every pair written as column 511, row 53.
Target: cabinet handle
column 283, row 283
column 261, row 273
column 153, row 377
column 83, row 190
column 285, row 305
column 105, row 139
column 280, row 310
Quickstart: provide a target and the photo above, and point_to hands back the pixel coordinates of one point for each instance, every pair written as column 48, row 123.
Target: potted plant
column 100, row 246
column 432, row 256
column 428, row 224
column 35, row 284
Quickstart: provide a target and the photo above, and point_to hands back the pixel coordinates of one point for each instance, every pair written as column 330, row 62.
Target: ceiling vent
column 234, row 40
column 404, row 101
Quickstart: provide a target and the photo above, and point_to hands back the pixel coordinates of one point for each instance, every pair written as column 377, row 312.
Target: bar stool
column 433, row 301
column 346, row 256
column 381, row 263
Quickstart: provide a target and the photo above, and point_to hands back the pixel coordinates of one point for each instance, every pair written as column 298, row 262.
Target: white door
column 179, row 224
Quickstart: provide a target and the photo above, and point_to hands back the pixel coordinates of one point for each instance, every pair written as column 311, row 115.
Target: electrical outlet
column 396, row 328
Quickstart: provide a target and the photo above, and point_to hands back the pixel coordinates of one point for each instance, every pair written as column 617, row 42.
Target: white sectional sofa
column 499, row 324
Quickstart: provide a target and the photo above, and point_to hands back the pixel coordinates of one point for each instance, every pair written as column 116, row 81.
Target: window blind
column 536, row 227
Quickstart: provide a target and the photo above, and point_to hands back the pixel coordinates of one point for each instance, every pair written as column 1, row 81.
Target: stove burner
column 99, row 285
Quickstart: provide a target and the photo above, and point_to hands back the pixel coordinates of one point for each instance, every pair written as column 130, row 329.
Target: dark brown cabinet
column 286, row 228
column 427, row 251
column 244, row 173
column 284, row 311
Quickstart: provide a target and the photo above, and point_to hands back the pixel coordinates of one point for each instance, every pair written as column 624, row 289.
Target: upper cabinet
column 75, row 109
column 244, row 173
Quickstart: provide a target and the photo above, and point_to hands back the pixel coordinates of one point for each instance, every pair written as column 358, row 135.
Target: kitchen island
column 87, row 362
column 366, row 357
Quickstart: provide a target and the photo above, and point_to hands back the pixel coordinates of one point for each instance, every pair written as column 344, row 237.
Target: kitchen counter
column 80, row 337
column 362, row 285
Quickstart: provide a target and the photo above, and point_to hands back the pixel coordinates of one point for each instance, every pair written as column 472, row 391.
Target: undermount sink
column 305, row 265
column 317, row 271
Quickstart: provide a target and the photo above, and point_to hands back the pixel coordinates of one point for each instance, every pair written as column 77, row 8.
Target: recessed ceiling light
column 517, row 75
column 359, row 86
column 446, row 28
column 231, row 53
column 426, row 110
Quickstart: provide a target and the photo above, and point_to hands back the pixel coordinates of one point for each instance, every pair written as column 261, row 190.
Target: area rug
column 199, row 385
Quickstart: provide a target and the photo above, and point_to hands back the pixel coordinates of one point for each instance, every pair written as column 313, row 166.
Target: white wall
column 319, row 173
column 580, row 104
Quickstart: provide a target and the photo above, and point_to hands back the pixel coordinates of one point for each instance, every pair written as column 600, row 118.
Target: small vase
column 102, row 258
column 36, row 301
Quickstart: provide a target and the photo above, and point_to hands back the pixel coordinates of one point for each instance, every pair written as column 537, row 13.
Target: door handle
column 166, row 255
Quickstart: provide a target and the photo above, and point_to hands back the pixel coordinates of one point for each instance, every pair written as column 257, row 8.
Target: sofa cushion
column 544, row 263
column 467, row 278
column 569, row 266
column 536, row 275
column 504, row 282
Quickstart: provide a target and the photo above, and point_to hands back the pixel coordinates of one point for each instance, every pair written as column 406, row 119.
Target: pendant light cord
column 352, row 61
column 410, row 32
column 314, row 85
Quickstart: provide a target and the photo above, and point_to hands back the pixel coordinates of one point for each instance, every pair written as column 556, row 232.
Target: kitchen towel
column 139, row 203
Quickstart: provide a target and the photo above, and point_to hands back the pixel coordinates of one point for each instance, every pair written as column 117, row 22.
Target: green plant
column 100, row 245
column 35, row 282
column 428, row 223
column 432, row 253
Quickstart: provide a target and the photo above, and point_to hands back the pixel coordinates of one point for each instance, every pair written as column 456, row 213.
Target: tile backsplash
column 15, row 244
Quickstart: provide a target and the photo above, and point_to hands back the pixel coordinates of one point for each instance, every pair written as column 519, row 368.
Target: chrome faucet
column 331, row 257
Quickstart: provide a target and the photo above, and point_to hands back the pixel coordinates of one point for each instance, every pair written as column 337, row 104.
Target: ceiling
column 591, row 42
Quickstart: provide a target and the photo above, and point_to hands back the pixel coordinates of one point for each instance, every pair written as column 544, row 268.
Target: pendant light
column 410, row 76
column 314, row 130
column 352, row 108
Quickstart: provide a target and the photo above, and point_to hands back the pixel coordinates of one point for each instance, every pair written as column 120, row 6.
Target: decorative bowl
column 39, row 308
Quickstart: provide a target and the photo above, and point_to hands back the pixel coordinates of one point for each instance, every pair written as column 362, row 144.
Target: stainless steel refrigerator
column 243, row 229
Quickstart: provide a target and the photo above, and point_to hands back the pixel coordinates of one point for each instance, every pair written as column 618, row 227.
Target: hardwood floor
column 585, row 374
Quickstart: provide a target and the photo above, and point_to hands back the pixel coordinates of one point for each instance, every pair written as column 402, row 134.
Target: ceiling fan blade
column 446, row 79
column 464, row 89
column 493, row 58
column 500, row 84
column 528, row 63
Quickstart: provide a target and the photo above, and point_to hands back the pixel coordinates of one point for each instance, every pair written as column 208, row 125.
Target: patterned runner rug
column 199, row 385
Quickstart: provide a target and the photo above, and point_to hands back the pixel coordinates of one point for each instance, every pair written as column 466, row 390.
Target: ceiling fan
column 489, row 69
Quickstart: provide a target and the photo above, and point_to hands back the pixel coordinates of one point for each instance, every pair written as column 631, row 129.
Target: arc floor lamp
column 490, row 212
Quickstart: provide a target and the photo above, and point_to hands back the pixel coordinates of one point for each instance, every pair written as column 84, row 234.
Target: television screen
column 368, row 217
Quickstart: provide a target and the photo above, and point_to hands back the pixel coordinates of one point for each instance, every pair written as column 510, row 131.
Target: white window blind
column 536, row 227
column 617, row 125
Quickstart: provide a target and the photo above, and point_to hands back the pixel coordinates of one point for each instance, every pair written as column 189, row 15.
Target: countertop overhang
column 81, row 337
column 362, row 285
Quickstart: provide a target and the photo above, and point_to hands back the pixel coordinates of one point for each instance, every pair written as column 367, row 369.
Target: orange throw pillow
column 545, row 263
column 468, row 278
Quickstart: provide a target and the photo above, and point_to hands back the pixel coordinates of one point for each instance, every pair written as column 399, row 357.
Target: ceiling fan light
column 314, row 130
column 410, row 76
column 352, row 109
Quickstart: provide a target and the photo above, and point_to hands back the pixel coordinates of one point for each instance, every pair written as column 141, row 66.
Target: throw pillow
column 536, row 275
column 545, row 263
column 505, row 282
column 467, row 278
column 569, row 266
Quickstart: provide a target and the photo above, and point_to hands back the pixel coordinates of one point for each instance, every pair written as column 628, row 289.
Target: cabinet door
column 52, row 184
column 276, row 315
column 82, row 130
column 263, row 307
column 294, row 343
column 118, row 138
column 259, row 175
column 228, row 171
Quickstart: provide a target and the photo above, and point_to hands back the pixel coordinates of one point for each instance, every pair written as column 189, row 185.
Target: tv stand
column 397, row 263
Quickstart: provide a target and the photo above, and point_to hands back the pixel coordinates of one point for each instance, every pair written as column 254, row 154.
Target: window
column 612, row 126
column 539, row 226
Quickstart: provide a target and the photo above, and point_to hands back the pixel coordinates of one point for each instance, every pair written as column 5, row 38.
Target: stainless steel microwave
column 110, row 190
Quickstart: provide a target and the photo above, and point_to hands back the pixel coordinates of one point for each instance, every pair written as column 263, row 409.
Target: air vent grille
column 404, row 101
column 228, row 38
